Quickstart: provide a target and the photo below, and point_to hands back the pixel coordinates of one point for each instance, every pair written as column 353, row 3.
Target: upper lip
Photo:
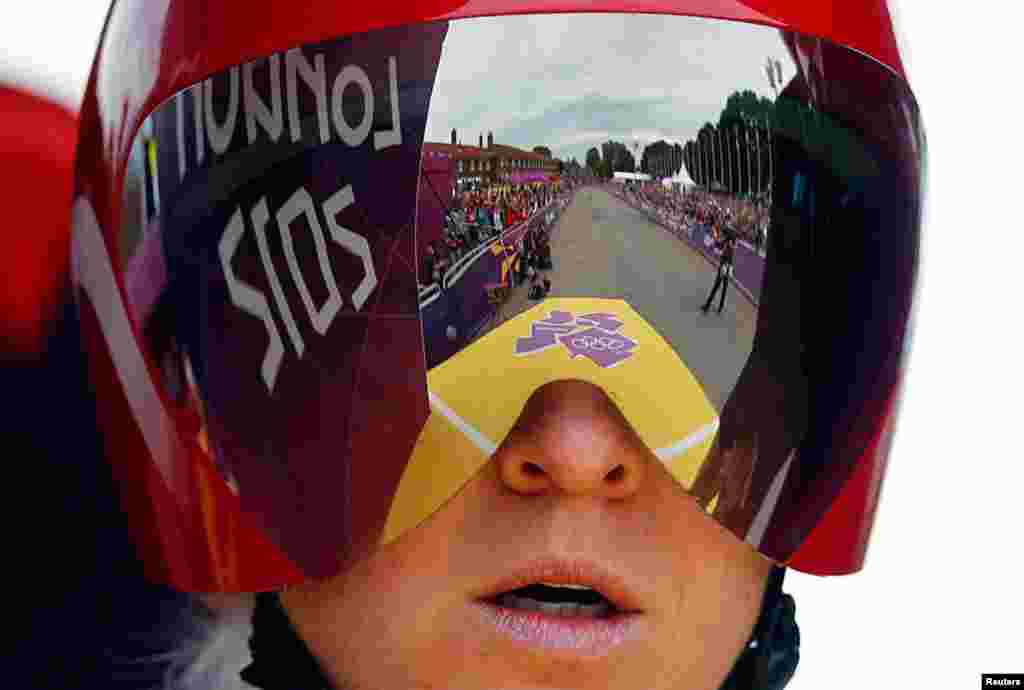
column 558, row 571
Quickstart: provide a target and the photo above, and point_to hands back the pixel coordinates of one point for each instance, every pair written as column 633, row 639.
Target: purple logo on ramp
column 595, row 336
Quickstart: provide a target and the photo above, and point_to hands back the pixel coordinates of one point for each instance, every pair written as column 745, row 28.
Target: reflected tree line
column 731, row 156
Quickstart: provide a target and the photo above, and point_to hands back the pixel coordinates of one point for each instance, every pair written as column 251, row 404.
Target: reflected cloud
column 559, row 79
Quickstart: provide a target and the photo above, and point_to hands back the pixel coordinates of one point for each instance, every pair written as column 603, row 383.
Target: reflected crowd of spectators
column 744, row 219
column 481, row 215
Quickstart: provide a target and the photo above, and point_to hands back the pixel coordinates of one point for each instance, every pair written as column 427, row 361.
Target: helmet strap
column 280, row 659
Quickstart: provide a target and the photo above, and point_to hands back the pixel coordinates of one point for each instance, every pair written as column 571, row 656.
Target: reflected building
column 495, row 163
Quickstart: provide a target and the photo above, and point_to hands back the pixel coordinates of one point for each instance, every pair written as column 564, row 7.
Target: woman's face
column 571, row 485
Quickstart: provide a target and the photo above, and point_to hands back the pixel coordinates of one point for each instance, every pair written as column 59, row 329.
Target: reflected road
column 601, row 247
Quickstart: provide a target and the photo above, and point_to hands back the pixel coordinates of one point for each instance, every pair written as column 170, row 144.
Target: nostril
column 616, row 474
column 531, row 469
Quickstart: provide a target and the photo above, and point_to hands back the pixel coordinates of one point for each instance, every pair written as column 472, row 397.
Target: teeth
column 581, row 587
column 567, row 609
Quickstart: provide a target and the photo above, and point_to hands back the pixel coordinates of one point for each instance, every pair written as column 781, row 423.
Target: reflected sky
column 573, row 81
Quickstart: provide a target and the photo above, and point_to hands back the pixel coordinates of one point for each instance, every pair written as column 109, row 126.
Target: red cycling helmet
column 282, row 386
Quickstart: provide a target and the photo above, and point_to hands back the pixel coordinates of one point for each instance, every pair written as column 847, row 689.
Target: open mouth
column 563, row 606
column 564, row 601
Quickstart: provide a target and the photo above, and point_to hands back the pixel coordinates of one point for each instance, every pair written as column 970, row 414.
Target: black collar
column 280, row 659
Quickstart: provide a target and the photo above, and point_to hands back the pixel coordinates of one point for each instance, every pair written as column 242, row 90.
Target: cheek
column 716, row 616
column 718, row 582
column 411, row 581
column 374, row 621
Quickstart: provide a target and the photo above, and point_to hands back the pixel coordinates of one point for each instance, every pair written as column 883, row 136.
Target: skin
column 571, row 479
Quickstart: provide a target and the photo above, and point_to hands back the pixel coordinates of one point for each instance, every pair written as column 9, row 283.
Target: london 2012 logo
column 595, row 336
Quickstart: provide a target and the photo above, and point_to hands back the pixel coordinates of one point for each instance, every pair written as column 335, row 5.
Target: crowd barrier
column 454, row 312
column 749, row 264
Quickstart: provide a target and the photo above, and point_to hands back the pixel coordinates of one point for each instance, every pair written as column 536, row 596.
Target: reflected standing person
column 727, row 247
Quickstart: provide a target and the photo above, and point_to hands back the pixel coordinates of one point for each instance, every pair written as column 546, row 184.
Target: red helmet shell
column 152, row 49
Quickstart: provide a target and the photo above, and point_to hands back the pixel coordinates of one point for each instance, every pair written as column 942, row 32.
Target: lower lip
column 582, row 635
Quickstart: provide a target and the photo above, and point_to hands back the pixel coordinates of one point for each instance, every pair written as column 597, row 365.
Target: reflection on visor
column 603, row 342
column 355, row 261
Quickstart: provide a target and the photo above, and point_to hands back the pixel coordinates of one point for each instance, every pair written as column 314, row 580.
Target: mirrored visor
column 357, row 266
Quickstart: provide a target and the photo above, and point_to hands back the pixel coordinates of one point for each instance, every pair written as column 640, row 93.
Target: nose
column 572, row 439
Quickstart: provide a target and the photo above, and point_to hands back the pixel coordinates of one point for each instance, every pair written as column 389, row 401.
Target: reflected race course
column 602, row 247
